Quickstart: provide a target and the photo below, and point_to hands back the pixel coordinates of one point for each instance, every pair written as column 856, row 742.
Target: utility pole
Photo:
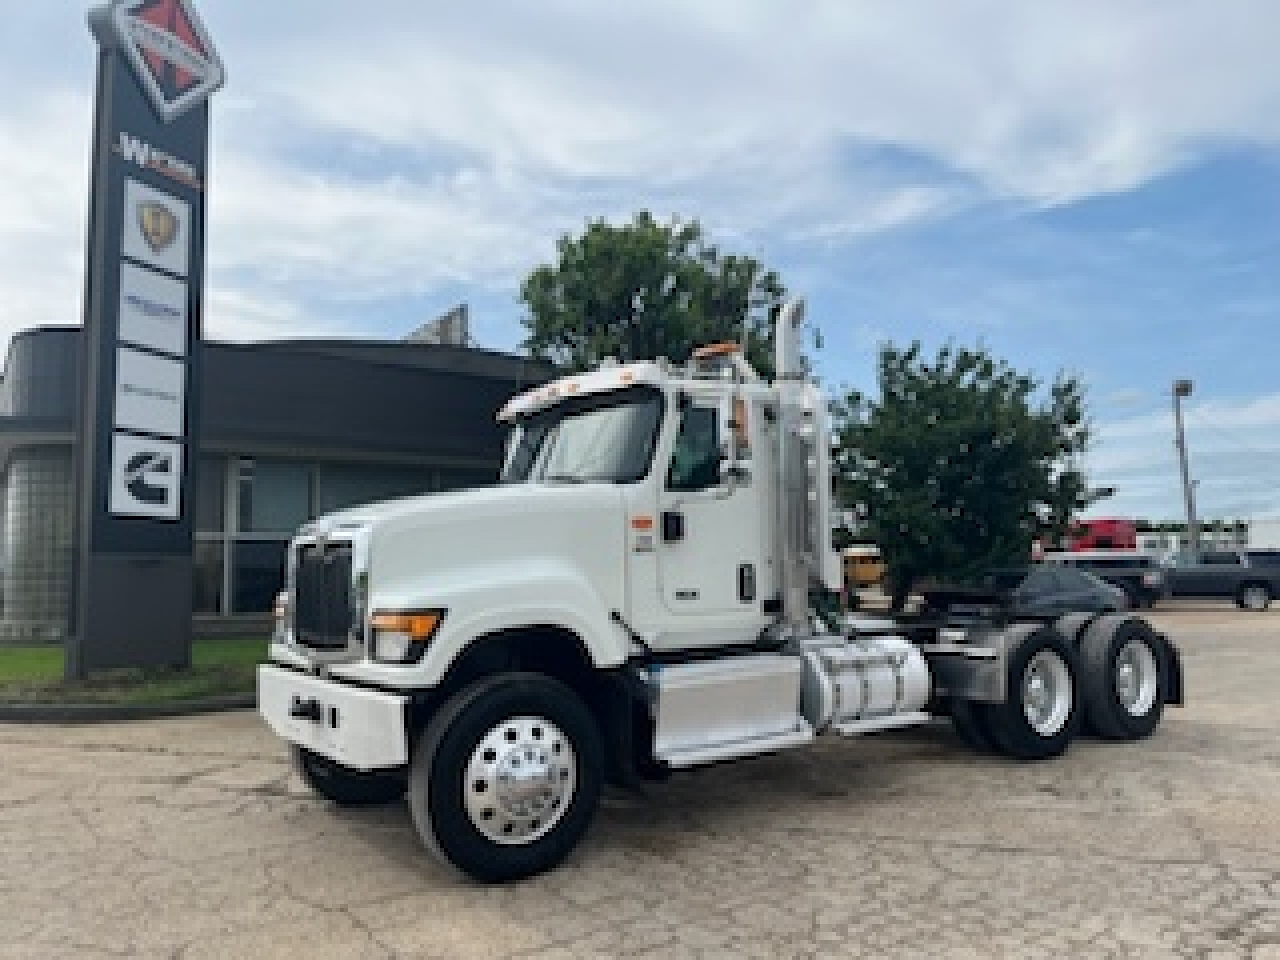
column 1182, row 388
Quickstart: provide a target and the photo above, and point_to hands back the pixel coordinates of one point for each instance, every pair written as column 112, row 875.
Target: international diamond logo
column 169, row 48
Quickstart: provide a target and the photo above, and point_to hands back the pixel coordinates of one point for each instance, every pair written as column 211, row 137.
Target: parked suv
column 1139, row 575
column 1250, row 577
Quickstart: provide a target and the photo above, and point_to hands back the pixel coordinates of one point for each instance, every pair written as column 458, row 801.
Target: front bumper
column 358, row 728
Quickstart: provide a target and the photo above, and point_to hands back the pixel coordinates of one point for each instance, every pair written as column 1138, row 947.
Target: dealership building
column 288, row 430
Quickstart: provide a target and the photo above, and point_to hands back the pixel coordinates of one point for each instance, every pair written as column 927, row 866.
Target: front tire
column 343, row 786
column 507, row 777
column 1040, row 715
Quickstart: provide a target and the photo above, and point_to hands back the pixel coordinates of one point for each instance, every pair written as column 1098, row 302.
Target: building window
column 464, row 479
column 338, row 486
column 211, row 494
column 208, row 569
column 275, row 496
column 248, row 509
column 258, row 574
column 37, row 545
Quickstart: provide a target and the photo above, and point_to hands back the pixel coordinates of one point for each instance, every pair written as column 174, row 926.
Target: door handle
column 672, row 526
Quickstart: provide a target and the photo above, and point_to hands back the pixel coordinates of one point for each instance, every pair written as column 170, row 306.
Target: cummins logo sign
column 169, row 48
column 145, row 477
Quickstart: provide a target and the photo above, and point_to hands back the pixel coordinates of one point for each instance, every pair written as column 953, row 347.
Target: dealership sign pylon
column 136, row 448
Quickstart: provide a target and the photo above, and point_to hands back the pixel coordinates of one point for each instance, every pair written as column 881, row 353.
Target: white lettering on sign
column 140, row 153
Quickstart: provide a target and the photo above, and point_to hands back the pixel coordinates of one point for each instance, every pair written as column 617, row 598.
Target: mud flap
column 1171, row 668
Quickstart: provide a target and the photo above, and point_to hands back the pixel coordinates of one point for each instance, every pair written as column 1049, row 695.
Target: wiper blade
column 564, row 478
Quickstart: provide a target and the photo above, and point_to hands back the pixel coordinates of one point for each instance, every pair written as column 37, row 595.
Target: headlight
column 1152, row 578
column 402, row 637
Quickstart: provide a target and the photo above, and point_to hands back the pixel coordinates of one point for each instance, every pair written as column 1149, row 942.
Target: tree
column 645, row 290
column 960, row 463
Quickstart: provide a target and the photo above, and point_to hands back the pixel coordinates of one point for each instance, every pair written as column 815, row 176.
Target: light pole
column 1182, row 388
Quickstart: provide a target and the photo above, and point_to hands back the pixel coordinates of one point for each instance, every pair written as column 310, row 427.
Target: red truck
column 1103, row 533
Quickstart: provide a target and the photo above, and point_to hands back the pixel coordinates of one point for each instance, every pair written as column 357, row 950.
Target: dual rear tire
column 1102, row 674
column 1122, row 681
column 1041, row 710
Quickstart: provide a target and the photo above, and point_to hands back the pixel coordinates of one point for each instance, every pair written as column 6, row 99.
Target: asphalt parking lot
column 190, row 838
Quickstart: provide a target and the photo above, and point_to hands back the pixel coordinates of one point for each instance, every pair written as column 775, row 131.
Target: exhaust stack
column 805, row 554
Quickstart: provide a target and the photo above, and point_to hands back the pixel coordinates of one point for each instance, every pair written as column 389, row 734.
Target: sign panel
column 153, row 310
column 170, row 51
column 157, row 227
column 150, row 393
column 145, row 477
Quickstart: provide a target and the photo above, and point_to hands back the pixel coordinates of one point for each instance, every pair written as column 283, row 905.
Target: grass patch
column 218, row 668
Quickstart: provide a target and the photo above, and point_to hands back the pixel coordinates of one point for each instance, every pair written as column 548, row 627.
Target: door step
column 894, row 721
column 712, row 753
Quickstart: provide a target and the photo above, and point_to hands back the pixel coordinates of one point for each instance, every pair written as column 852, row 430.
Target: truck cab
column 688, row 461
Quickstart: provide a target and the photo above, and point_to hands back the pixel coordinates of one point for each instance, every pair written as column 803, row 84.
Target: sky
column 1088, row 186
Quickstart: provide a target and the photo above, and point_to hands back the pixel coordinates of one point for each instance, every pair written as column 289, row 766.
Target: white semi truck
column 634, row 599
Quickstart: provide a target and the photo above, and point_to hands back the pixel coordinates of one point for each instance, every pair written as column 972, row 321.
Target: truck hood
column 489, row 544
column 465, row 507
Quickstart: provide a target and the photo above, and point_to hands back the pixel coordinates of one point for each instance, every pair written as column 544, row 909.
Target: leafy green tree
column 960, row 463
column 644, row 290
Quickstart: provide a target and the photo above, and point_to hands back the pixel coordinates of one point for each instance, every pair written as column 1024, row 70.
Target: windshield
column 594, row 440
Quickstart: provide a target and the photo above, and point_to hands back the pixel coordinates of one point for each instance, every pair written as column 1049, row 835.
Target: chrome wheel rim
column 1046, row 693
column 1136, row 678
column 1255, row 598
column 520, row 780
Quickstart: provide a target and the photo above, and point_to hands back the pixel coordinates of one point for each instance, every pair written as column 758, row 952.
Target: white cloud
column 1233, row 451
column 44, row 174
column 1050, row 101
column 335, row 236
column 496, row 133
column 391, row 151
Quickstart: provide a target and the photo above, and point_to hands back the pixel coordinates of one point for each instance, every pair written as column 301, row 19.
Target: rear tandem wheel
column 1040, row 715
column 1123, row 685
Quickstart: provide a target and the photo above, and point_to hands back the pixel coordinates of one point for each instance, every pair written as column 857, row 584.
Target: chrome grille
column 322, row 602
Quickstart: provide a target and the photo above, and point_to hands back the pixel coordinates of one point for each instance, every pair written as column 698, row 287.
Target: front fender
column 499, row 598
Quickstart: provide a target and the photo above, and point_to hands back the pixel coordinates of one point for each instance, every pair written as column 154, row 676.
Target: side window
column 695, row 464
column 1037, row 584
column 1222, row 559
column 1074, row 581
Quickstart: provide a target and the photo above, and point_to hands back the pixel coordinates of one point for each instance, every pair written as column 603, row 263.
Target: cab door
column 710, row 532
